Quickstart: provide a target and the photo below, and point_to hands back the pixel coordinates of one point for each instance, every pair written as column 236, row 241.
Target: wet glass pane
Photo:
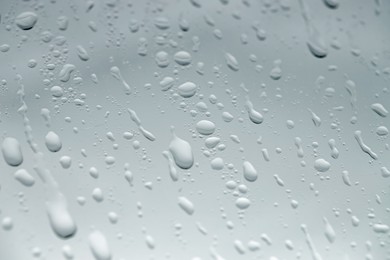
column 190, row 129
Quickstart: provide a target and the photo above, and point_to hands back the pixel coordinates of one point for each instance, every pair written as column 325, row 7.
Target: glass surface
column 220, row 129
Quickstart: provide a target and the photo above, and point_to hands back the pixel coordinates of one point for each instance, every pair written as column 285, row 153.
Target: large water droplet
column 181, row 151
column 61, row 221
column 26, row 20
column 250, row 173
column 12, row 151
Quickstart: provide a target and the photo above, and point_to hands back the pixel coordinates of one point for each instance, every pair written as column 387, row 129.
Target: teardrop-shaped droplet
column 250, row 173
column 99, row 246
column 181, row 151
column 60, row 219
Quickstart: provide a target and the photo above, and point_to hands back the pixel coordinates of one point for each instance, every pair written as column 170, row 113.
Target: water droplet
column 278, row 180
column 196, row 3
column 321, row 165
column 66, row 71
column 250, row 173
column 227, row 117
column 381, row 228
column 332, row 4
column 310, row 244
column 239, row 246
column 346, row 179
column 186, row 205
column 134, row 117
column 363, row 146
column 7, row 223
column 181, row 151
column 265, row 154
column 243, row 203
column 294, row 204
column 65, row 161
column 182, row 58
column 276, row 72
column 67, row 252
column 150, row 242
column 187, row 90
column 298, row 144
column 289, row 244
column 161, row 23
column 315, row 118
column 99, row 246
column 82, row 53
column 385, row 172
column 57, row 91
column 382, row 131
column 26, row 20
column 330, row 234
column 166, row 83
column 24, row 177
column 255, row 116
column 290, row 124
column 253, row 245
column 97, row 195
column 334, row 151
column 172, row 170
column 379, row 109
column 53, row 142
column 129, row 176
column 162, row 59
column 116, row 73
column 217, row 164
column 113, row 217
column 5, row 47
column 61, row 221
column 231, row 61
column 212, row 142
column 93, row 172
column 12, row 151
column 205, row 127
column 315, row 41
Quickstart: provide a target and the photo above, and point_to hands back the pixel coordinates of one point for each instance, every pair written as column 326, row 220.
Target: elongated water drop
column 186, row 205
column 231, row 62
column 365, row 148
column 172, row 170
column 66, row 72
column 315, row 41
column 379, row 109
column 255, row 116
column 24, row 177
column 315, row 118
column 99, row 246
column 181, row 151
column 250, row 173
column 330, row 234
column 60, row 219
column 116, row 73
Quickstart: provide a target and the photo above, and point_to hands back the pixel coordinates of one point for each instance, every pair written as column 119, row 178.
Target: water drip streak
column 60, row 219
